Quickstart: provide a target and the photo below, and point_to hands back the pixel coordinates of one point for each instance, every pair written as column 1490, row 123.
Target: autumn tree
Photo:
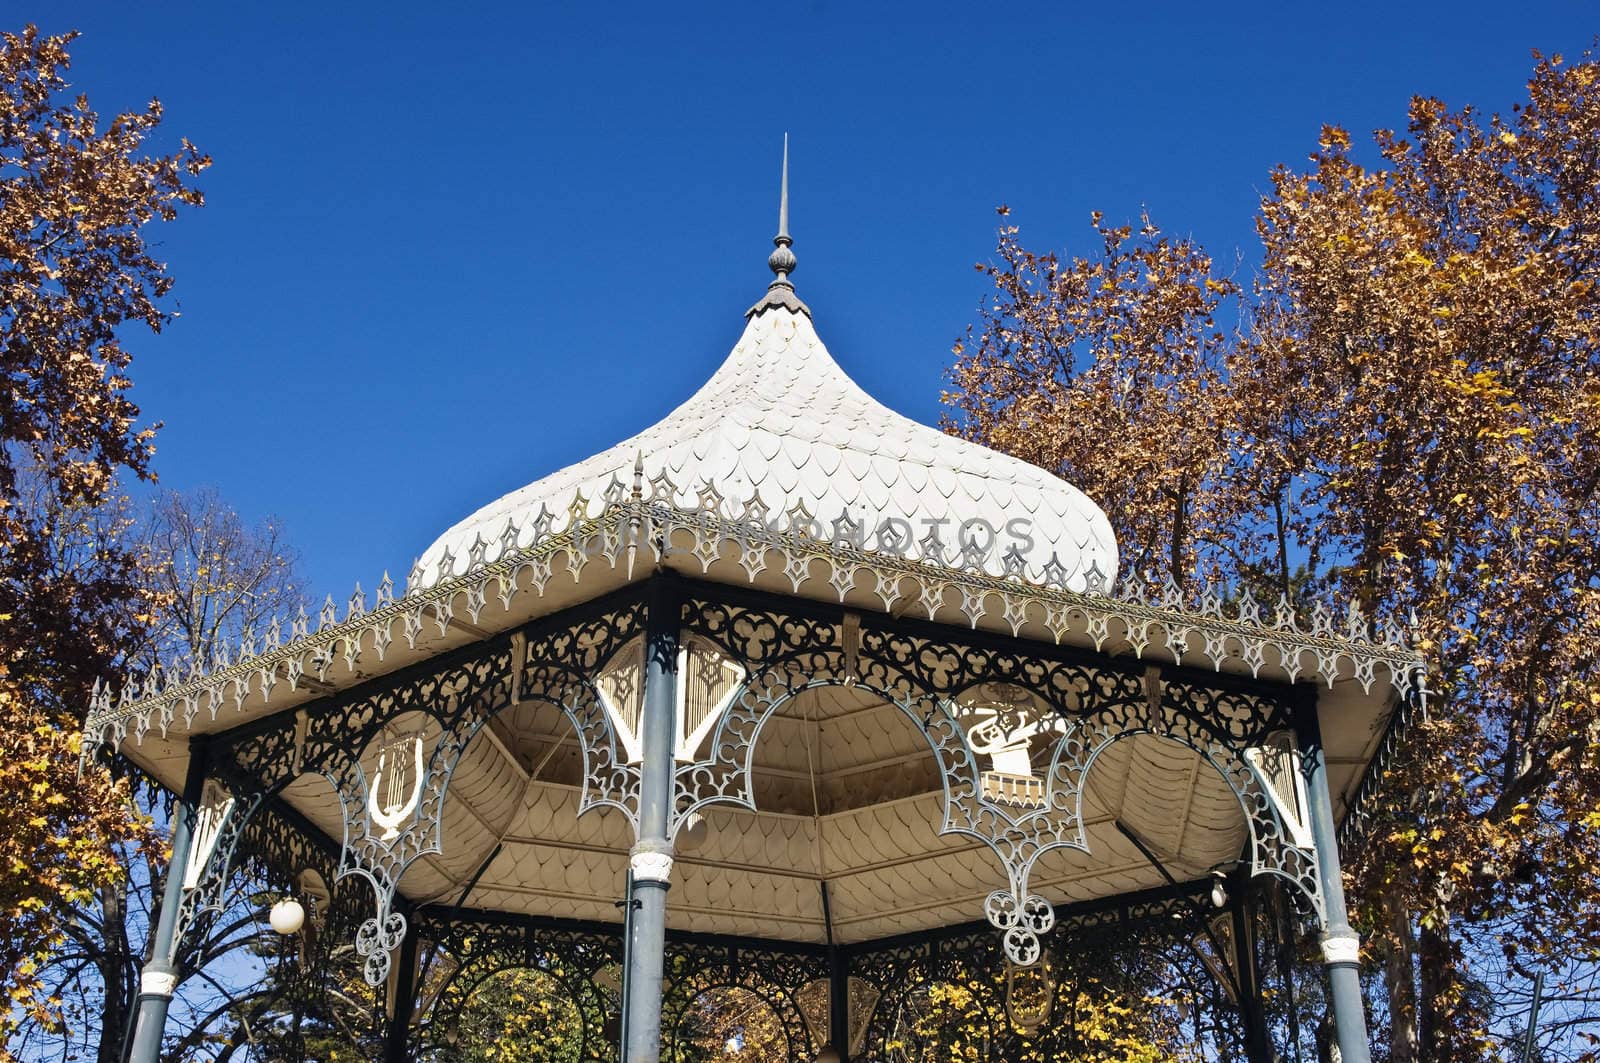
column 76, row 198
column 75, row 201
column 1406, row 412
column 517, row 1016
column 212, row 578
column 1106, row 370
column 1106, row 1018
column 1435, row 318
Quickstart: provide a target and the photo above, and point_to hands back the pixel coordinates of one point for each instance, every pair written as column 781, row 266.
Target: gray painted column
column 159, row 978
column 1340, row 945
column 651, row 859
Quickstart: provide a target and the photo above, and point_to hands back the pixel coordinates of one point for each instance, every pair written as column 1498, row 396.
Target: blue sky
column 451, row 248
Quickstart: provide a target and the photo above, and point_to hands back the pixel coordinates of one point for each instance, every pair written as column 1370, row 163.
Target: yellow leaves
column 60, row 843
column 1334, row 137
column 1519, row 432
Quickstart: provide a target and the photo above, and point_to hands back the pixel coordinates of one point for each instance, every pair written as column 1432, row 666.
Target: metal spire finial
column 780, row 293
column 781, row 261
column 783, row 194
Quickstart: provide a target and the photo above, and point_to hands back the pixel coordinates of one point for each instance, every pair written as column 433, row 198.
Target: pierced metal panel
column 1014, row 733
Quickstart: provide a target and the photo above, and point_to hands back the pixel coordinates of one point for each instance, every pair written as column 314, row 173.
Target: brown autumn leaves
column 1400, row 407
column 75, row 197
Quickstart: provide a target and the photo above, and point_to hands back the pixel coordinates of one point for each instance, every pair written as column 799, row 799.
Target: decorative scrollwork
column 376, row 941
column 1109, row 948
column 393, row 815
column 222, row 819
column 391, row 799
column 1008, row 807
column 986, row 707
column 777, row 977
column 1021, row 924
column 1160, row 621
column 463, row 952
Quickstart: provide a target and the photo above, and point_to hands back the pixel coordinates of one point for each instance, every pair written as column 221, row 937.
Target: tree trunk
column 1399, row 976
column 1439, row 989
column 114, row 965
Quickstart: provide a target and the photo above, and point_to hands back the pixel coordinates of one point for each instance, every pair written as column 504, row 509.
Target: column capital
column 651, row 861
column 1340, row 947
column 157, row 980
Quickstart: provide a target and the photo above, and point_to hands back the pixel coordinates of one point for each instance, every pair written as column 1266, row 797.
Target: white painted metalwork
column 621, row 687
column 650, row 865
column 709, row 681
column 1151, row 621
column 396, row 785
column 158, row 983
column 215, row 804
column 1279, row 769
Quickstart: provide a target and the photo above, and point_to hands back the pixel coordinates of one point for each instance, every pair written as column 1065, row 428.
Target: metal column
column 838, row 988
column 159, row 978
column 1340, row 945
column 839, row 1005
column 396, row 1046
column 1247, row 976
column 651, row 859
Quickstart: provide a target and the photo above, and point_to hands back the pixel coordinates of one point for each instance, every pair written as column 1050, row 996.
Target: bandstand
column 786, row 693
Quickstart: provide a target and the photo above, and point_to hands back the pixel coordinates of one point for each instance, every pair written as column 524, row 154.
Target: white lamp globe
column 829, row 1054
column 287, row 916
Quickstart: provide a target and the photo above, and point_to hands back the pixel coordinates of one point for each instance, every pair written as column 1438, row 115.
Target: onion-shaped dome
column 781, row 435
column 780, row 424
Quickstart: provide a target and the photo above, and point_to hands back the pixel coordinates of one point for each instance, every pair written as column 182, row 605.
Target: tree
column 1106, row 370
column 517, row 1016
column 213, row 579
column 1409, row 418
column 75, row 199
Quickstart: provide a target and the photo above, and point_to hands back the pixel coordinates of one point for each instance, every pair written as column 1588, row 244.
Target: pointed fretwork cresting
column 780, row 293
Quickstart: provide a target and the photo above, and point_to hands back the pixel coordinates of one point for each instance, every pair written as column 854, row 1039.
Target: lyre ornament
column 385, row 805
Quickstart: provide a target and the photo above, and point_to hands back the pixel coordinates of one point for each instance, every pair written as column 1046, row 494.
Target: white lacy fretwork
column 629, row 526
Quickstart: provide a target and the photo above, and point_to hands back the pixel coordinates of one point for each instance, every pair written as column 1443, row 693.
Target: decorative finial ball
column 288, row 916
column 829, row 1054
column 782, row 260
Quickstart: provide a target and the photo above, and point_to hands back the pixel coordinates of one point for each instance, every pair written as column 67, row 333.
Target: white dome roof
column 782, row 423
